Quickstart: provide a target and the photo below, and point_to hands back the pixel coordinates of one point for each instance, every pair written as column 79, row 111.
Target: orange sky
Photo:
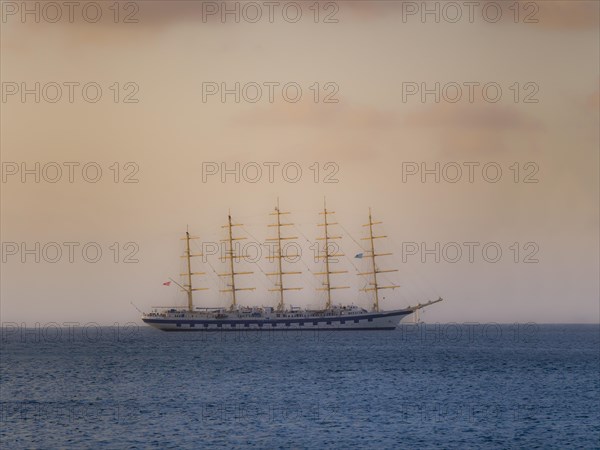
column 368, row 134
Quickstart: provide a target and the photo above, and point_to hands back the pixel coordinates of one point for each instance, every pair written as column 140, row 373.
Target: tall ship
column 283, row 316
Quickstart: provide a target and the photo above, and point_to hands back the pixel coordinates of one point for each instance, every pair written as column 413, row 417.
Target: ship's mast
column 326, row 255
column 232, row 273
column 188, row 256
column 327, row 273
column 279, row 255
column 371, row 254
column 189, row 271
column 230, row 253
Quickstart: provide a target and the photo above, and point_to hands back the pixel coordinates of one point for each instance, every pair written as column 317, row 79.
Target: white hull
column 186, row 321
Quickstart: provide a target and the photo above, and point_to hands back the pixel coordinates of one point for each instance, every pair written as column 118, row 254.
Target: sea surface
column 421, row 386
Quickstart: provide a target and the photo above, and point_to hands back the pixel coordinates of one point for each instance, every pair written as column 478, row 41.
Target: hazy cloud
column 480, row 116
column 593, row 101
column 477, row 127
column 307, row 113
column 569, row 15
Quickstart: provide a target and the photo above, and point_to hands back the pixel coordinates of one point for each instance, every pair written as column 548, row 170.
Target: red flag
column 167, row 283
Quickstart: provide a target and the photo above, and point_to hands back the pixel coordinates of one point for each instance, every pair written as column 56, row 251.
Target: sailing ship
column 235, row 317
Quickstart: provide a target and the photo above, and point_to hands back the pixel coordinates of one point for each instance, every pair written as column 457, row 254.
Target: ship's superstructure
column 283, row 316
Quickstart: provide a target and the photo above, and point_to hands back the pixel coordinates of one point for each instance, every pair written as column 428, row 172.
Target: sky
column 473, row 135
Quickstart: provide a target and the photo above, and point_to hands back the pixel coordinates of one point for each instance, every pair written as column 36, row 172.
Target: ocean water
column 421, row 386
